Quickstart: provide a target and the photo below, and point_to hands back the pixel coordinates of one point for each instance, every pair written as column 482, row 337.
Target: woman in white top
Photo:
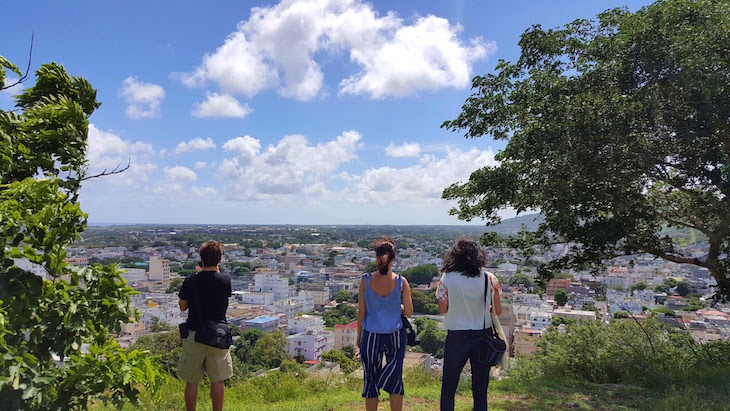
column 461, row 296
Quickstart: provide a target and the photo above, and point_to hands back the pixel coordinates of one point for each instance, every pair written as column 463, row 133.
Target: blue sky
column 296, row 112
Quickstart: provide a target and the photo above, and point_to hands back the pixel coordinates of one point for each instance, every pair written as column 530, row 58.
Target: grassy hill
column 286, row 392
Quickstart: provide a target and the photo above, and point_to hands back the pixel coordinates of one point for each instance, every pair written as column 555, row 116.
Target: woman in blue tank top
column 383, row 296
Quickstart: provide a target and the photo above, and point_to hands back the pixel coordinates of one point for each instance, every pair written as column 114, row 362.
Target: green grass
column 706, row 391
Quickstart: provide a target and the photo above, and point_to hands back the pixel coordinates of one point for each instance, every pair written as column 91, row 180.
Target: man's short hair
column 384, row 245
column 211, row 253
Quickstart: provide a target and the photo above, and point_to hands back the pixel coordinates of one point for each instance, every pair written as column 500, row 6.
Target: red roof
column 352, row 326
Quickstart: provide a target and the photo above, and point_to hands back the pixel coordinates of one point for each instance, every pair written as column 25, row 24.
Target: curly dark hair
column 466, row 256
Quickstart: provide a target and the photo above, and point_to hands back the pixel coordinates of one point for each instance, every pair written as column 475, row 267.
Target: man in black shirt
column 213, row 289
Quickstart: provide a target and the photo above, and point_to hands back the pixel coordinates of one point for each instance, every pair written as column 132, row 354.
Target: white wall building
column 254, row 298
column 305, row 323
column 540, row 320
column 345, row 334
column 311, row 344
column 134, row 275
column 272, row 283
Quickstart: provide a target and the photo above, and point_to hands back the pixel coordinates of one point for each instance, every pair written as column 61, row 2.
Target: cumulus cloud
column 276, row 49
column 143, row 98
column 176, row 179
column 404, row 150
column 196, row 144
column 221, row 106
column 107, row 151
column 423, row 182
column 200, row 164
column 292, row 166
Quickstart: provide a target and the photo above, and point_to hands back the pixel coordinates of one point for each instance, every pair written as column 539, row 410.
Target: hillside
column 288, row 393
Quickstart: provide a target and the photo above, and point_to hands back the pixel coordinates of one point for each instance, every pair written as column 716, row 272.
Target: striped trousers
column 373, row 347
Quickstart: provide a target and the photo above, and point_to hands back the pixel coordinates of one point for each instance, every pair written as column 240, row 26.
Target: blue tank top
column 382, row 314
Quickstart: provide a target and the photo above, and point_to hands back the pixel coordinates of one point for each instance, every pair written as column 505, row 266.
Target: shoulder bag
column 411, row 336
column 213, row 333
column 495, row 346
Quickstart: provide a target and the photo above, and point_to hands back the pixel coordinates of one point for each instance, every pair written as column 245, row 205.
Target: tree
column 432, row 340
column 370, row 267
column 166, row 347
column 617, row 128
column 638, row 286
column 421, row 274
column 521, row 278
column 270, row 349
column 670, row 282
column 244, row 346
column 683, row 288
column 43, row 147
column 300, row 358
column 349, row 351
column 347, row 365
column 421, row 302
column 157, row 326
column 561, row 297
column 342, row 296
column 175, row 285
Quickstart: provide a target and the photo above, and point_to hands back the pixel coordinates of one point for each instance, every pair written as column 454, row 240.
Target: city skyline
column 308, row 113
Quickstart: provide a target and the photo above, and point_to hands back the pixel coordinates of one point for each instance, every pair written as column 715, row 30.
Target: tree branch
column 27, row 70
column 105, row 173
column 670, row 257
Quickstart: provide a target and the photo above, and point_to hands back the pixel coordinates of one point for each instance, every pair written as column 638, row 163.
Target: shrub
column 621, row 352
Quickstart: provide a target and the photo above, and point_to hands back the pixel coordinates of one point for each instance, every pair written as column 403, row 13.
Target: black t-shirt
column 214, row 288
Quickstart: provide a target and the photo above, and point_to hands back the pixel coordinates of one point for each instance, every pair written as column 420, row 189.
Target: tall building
column 159, row 272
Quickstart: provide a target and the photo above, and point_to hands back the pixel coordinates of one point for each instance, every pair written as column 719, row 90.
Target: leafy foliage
column 270, row 350
column 432, row 338
column 421, row 274
column 424, row 303
column 618, row 128
column 42, row 165
column 341, row 314
column 622, row 352
column 347, row 365
column 561, row 296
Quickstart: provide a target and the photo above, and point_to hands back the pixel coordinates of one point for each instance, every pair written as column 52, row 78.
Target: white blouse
column 465, row 298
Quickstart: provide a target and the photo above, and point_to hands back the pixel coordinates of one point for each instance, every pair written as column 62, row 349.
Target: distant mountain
column 511, row 226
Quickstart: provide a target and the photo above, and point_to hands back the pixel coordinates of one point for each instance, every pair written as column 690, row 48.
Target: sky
column 291, row 112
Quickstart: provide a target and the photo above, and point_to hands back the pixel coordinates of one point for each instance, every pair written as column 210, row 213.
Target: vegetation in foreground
column 287, row 392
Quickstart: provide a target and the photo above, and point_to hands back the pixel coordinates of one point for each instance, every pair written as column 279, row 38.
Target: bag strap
column 486, row 291
column 196, row 298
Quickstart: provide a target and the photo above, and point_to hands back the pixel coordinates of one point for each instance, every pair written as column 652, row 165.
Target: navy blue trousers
column 462, row 345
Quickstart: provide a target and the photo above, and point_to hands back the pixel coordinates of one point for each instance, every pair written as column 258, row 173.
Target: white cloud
column 292, row 166
column 421, row 183
column 276, row 49
column 427, row 55
column 200, row 164
column 176, row 179
column 196, row 144
column 404, row 150
column 106, row 151
column 203, row 192
column 143, row 98
column 221, row 105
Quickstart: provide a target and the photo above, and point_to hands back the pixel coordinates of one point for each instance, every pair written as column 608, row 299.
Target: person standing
column 466, row 300
column 213, row 289
column 383, row 297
